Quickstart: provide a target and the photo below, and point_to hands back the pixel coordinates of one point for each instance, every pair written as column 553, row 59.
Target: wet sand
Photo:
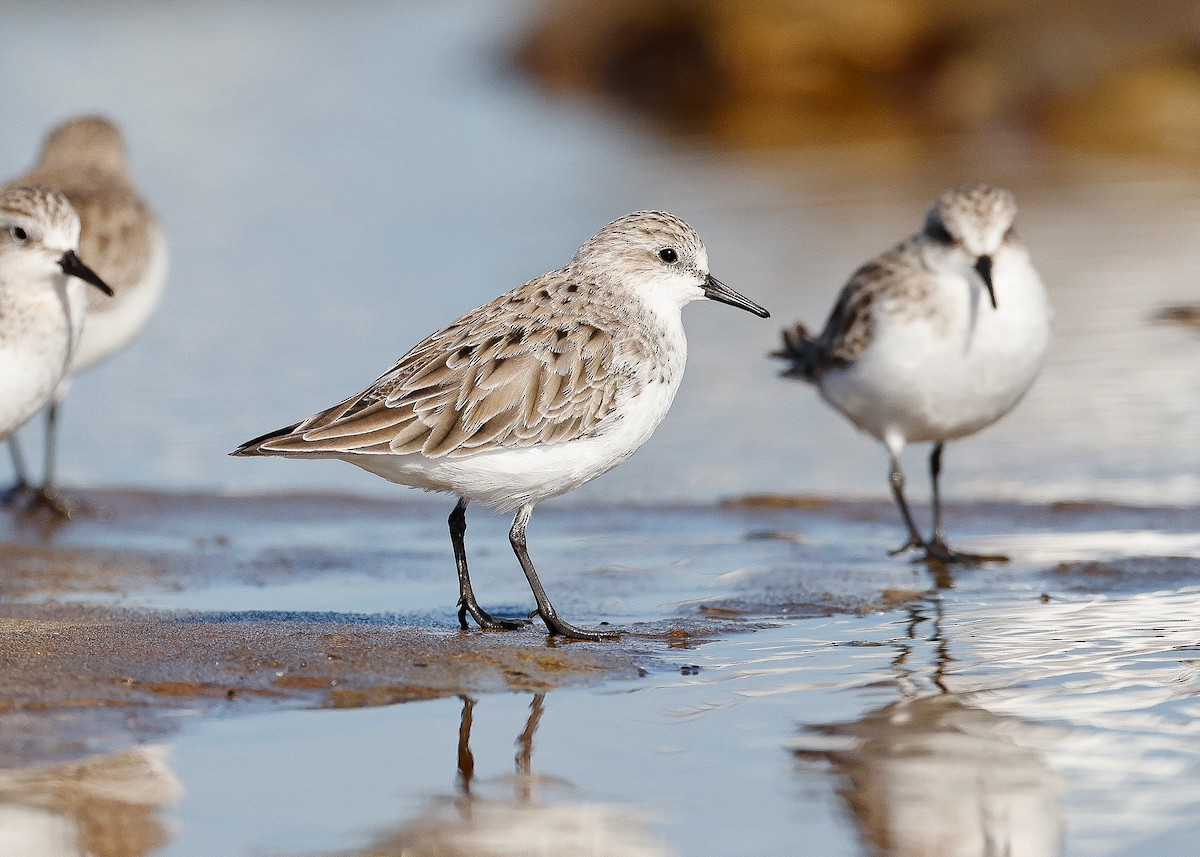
column 84, row 673
column 103, row 643
column 80, row 677
column 77, row 679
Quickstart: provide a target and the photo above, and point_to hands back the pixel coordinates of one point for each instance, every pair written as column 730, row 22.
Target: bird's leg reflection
column 942, row 657
column 523, row 760
column 466, row 759
column 485, row 821
column 904, row 650
column 943, row 577
column 907, row 675
column 524, row 757
column 524, row 744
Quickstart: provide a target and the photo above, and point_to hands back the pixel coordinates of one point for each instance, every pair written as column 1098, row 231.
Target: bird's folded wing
column 849, row 328
column 473, row 387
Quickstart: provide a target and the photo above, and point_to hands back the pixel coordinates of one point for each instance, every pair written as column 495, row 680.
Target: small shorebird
column 84, row 159
column 933, row 340
column 42, row 299
column 532, row 394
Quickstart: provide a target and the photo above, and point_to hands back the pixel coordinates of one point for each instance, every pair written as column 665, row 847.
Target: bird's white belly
column 510, row 478
column 109, row 331
column 27, row 384
column 33, row 357
column 942, row 378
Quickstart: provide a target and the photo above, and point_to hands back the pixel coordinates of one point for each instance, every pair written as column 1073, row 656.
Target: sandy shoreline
column 88, row 667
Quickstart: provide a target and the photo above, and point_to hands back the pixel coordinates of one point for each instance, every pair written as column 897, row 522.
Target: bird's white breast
column 39, row 328
column 127, row 313
column 953, row 368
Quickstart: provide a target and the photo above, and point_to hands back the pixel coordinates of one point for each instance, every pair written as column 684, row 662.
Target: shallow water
column 746, row 755
column 795, row 685
column 339, row 180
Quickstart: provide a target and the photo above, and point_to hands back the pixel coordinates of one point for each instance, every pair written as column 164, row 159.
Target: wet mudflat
column 780, row 679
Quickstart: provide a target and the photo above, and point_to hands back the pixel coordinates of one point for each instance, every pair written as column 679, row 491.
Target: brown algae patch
column 900, row 597
column 56, row 659
column 779, row 501
column 1187, row 315
column 1138, row 573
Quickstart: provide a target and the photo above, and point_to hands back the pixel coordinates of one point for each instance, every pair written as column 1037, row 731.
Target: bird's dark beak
column 983, row 267
column 715, row 290
column 73, row 267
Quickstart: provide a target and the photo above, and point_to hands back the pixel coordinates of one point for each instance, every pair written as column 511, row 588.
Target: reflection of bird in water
column 1119, row 672
column 473, row 825
column 107, row 806
column 929, row 776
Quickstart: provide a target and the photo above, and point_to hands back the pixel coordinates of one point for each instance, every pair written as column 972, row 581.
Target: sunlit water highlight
column 948, row 751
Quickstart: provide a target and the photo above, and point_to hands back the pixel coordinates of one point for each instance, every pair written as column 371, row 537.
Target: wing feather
column 410, row 438
column 511, row 374
column 851, row 321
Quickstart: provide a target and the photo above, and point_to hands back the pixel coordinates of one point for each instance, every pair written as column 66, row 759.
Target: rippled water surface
column 892, row 734
column 822, row 693
column 338, row 180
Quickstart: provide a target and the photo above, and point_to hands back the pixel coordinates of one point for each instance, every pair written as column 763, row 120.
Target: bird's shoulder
column 543, row 363
column 897, row 274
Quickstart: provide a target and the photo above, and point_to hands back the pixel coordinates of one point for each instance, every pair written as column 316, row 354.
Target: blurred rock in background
column 1114, row 76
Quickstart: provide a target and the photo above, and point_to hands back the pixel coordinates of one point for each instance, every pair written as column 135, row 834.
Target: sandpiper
column 84, row 159
column 42, row 299
column 933, row 340
column 532, row 394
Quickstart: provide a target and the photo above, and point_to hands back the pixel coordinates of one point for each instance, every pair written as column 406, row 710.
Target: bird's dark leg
column 937, row 549
column 896, row 479
column 20, row 489
column 935, row 475
column 545, row 609
column 51, row 451
column 46, row 497
column 466, row 596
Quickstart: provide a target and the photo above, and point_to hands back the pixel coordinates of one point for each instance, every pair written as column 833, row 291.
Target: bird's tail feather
column 259, row 446
column 802, row 350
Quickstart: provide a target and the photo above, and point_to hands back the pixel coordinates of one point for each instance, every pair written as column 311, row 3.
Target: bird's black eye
column 668, row 255
column 18, row 233
column 935, row 230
